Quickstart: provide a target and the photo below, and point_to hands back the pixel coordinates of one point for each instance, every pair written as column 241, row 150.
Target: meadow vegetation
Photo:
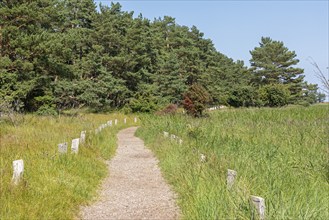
column 279, row 154
column 53, row 185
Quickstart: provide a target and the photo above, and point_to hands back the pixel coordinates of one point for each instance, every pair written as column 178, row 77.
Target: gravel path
column 135, row 188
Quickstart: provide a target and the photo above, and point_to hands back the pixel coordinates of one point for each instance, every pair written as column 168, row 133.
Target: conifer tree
column 273, row 63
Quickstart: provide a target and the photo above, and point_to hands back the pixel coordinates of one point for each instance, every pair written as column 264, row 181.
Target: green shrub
column 242, row 97
column 47, row 110
column 143, row 103
column 274, row 95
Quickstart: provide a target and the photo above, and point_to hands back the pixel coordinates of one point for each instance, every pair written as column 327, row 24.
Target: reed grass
column 279, row 154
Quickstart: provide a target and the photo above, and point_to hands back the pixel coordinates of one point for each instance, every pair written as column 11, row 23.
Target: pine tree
column 272, row 63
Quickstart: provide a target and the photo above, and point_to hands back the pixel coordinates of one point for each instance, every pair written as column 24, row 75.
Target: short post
column 165, row 134
column 97, row 130
column 259, row 204
column 203, row 158
column 135, row 120
column 172, row 136
column 83, row 137
column 62, row 148
column 18, row 166
column 115, row 121
column 124, row 120
column 231, row 174
column 75, row 146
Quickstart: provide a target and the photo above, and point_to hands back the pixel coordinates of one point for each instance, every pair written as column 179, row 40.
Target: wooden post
column 231, row 174
column 135, row 120
column 62, row 148
column 124, row 120
column 18, row 166
column 75, row 146
column 83, row 137
column 115, row 121
column 259, row 204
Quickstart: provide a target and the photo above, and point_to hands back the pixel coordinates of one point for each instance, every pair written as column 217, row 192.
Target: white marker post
column 124, row 120
column 172, row 136
column 75, row 146
column 231, row 174
column 97, row 130
column 83, row 137
column 115, row 121
column 259, row 204
column 18, row 166
column 62, row 148
column 203, row 158
column 135, row 120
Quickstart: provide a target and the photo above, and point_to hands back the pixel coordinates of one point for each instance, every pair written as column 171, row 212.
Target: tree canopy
column 58, row 54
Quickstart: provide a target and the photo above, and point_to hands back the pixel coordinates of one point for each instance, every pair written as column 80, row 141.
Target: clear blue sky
column 236, row 27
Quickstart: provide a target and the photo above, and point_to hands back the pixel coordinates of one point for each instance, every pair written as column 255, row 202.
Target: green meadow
column 279, row 154
column 53, row 185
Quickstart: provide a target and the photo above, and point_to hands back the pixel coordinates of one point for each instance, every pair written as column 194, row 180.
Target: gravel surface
column 135, row 188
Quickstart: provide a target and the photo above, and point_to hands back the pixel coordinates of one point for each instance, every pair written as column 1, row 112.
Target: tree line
column 61, row 54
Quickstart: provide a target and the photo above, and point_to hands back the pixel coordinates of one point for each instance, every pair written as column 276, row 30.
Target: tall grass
column 53, row 185
column 279, row 154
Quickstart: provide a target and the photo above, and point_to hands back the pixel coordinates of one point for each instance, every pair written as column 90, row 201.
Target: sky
column 236, row 27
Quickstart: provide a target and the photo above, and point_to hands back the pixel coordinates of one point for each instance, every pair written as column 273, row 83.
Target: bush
column 170, row 109
column 145, row 102
column 274, row 95
column 47, row 110
column 242, row 97
column 195, row 100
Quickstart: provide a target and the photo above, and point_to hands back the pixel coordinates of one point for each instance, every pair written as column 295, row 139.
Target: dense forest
column 61, row 54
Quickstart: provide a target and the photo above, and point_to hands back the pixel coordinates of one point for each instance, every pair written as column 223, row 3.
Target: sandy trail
column 135, row 188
